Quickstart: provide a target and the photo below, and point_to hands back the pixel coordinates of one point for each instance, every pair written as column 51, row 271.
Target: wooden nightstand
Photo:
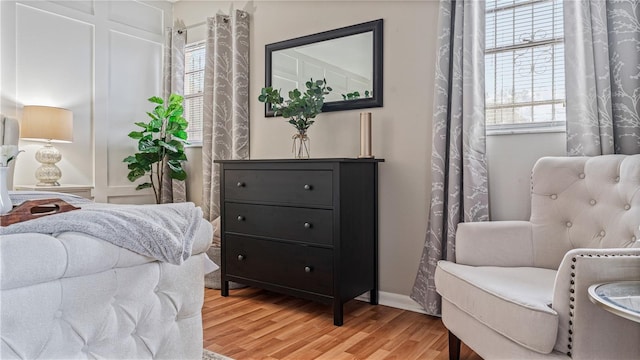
column 79, row 190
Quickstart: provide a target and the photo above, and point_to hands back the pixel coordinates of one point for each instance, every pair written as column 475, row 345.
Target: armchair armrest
column 495, row 243
column 584, row 329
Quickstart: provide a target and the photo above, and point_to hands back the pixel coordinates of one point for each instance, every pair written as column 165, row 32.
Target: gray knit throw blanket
column 164, row 232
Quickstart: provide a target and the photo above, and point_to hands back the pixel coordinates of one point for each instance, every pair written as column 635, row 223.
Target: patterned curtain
column 459, row 185
column 602, row 76
column 226, row 101
column 173, row 77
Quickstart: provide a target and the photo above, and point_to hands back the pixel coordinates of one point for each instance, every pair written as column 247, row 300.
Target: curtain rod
column 243, row 15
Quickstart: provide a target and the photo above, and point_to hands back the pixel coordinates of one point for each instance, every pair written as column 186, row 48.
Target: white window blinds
column 524, row 63
column 193, row 91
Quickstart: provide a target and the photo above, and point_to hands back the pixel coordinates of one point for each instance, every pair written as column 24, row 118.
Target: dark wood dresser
column 306, row 228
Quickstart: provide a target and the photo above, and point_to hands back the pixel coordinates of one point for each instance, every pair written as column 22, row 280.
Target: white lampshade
column 44, row 123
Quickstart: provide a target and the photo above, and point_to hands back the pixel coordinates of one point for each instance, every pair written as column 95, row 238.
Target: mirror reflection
column 346, row 63
column 349, row 58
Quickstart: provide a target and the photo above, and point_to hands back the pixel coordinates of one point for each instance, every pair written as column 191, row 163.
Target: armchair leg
column 454, row 347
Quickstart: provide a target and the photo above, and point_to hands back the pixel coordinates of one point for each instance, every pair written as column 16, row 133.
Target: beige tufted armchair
column 518, row 289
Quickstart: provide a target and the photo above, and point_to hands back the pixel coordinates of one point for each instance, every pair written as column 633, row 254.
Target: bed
column 68, row 294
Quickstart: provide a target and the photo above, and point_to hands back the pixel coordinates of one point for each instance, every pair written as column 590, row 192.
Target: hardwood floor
column 258, row 324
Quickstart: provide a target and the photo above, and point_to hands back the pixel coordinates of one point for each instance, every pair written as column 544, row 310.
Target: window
column 193, row 91
column 524, row 66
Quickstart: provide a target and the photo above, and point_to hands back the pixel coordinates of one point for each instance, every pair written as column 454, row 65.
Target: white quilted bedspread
column 76, row 296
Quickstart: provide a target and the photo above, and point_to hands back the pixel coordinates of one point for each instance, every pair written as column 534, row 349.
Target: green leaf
column 179, row 110
column 129, row 159
column 174, row 165
column 175, row 98
column 180, row 134
column 171, row 127
column 153, row 116
column 167, row 146
column 180, row 121
column 160, row 111
column 178, row 175
column 147, row 145
column 136, row 134
column 141, row 124
column 157, row 100
column 144, row 186
column 155, row 123
column 148, row 158
column 179, row 156
column 178, row 143
column 135, row 174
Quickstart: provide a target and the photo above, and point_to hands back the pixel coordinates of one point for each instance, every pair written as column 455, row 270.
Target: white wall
column 510, row 160
column 401, row 129
column 100, row 59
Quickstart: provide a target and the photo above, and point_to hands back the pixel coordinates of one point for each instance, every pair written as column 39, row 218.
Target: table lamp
column 50, row 124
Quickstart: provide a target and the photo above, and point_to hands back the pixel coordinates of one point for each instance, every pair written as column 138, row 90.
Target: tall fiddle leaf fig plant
column 160, row 145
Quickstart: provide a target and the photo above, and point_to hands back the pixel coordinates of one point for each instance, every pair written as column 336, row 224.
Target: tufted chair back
column 584, row 202
column 9, row 135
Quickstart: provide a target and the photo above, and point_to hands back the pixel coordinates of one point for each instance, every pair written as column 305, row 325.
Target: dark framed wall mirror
column 349, row 58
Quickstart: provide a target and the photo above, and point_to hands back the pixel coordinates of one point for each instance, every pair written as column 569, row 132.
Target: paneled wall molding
column 38, row 48
column 100, row 59
column 128, row 194
column 127, row 191
column 138, row 15
column 82, row 6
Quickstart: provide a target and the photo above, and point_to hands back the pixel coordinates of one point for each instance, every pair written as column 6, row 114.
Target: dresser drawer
column 295, row 266
column 280, row 186
column 299, row 224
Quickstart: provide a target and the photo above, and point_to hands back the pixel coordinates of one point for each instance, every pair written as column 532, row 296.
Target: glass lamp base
column 48, row 173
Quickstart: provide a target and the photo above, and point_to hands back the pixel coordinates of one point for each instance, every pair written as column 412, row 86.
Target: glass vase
column 301, row 145
column 5, row 200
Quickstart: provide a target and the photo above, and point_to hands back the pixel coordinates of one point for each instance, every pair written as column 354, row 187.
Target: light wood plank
column 258, row 324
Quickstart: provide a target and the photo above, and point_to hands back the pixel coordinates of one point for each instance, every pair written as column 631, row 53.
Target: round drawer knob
column 240, row 184
column 307, row 225
column 240, row 257
column 240, row 218
column 307, row 187
column 307, row 269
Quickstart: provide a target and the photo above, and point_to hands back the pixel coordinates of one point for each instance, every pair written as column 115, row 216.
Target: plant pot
column 301, row 145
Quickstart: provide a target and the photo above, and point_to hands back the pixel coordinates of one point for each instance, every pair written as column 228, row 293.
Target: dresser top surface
column 319, row 160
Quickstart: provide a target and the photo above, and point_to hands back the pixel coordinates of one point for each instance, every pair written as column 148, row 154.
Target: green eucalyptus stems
column 301, row 107
column 356, row 95
column 160, row 145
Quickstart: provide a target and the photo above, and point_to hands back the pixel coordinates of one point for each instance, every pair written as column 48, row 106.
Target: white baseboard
column 397, row 301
